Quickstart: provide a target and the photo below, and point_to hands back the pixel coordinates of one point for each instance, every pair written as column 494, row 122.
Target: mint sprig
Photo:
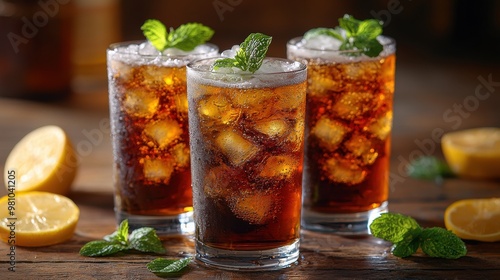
column 142, row 239
column 186, row 37
column 250, row 55
column 355, row 35
column 166, row 267
column 429, row 168
column 407, row 236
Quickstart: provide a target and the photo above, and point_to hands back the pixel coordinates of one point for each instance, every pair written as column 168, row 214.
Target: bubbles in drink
column 353, row 105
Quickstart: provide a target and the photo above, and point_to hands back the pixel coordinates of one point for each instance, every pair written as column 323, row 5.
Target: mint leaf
column 441, row 243
column 250, row 55
column 360, row 36
column 145, row 240
column 142, row 239
column 100, row 248
column 394, row 227
column 156, row 33
column 429, row 168
column 186, row 37
column 165, row 267
column 409, row 245
column 120, row 235
column 335, row 33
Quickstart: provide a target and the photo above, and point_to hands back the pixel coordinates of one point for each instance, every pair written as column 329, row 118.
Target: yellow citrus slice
column 44, row 160
column 474, row 219
column 473, row 153
column 37, row 219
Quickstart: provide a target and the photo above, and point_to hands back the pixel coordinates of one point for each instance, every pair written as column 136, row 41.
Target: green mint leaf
column 225, row 63
column 145, row 240
column 360, row 36
column 100, row 248
column 250, row 55
column 156, row 33
column 441, row 243
column 166, row 267
column 429, row 168
column 120, row 235
column 409, row 245
column 323, row 31
column 187, row 36
column 394, row 227
column 254, row 48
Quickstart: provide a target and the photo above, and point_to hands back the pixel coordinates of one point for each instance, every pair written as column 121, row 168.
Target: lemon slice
column 44, row 160
column 473, row 153
column 37, row 219
column 474, row 219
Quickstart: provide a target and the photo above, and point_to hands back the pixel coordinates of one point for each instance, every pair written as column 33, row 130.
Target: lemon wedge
column 473, row 153
column 474, row 219
column 37, row 219
column 43, row 160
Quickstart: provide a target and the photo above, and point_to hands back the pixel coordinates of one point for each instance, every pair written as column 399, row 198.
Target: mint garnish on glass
column 407, row 236
column 250, row 55
column 186, row 37
column 142, row 239
column 354, row 35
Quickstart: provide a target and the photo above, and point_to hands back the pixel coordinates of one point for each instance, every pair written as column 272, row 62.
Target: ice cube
column 231, row 53
column 159, row 170
column 381, row 127
column 140, row 103
column 121, row 70
column 353, row 105
column 290, row 97
column 362, row 147
column 296, row 136
column 217, row 182
column 158, row 76
column 322, row 85
column 147, row 48
column 235, row 147
column 281, row 167
column 164, row 132
column 272, row 128
column 362, row 72
column 322, row 42
column 180, row 152
column 181, row 102
column 218, row 108
column 329, row 133
column 344, row 171
column 254, row 207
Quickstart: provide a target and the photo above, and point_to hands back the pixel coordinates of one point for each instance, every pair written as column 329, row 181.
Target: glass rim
column 294, row 42
column 302, row 67
column 115, row 47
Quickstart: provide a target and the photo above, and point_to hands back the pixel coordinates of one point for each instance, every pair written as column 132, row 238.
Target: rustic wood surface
column 423, row 96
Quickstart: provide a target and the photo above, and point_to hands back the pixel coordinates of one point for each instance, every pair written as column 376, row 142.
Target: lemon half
column 474, row 219
column 37, row 219
column 43, row 160
column 473, row 153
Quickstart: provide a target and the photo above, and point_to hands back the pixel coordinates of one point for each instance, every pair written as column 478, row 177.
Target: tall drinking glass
column 348, row 135
column 148, row 108
column 246, row 134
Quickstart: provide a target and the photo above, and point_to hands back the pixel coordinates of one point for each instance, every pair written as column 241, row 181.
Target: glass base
column 272, row 259
column 182, row 224
column 344, row 224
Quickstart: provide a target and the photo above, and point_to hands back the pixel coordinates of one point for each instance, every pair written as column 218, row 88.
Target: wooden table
column 424, row 95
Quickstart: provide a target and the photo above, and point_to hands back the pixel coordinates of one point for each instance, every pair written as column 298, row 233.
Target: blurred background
column 52, row 52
